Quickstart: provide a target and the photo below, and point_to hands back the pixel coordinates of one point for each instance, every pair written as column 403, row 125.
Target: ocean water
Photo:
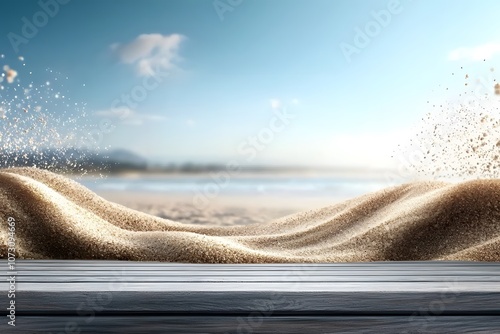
column 280, row 186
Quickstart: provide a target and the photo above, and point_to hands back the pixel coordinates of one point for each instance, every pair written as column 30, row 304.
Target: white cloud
column 295, row 101
column 477, row 53
column 150, row 52
column 275, row 104
column 129, row 116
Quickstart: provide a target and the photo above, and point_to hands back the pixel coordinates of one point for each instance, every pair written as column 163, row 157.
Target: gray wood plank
column 256, row 323
column 134, row 297
column 295, row 299
column 259, row 286
column 155, row 277
column 474, row 279
column 276, row 274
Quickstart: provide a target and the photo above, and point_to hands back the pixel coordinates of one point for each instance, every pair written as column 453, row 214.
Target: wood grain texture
column 260, row 324
column 132, row 297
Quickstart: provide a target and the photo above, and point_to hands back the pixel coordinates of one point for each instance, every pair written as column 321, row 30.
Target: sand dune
column 58, row 218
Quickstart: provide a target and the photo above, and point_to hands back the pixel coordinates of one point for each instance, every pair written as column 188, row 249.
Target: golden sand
column 60, row 219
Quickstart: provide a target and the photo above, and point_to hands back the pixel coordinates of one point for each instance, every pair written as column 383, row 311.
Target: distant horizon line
column 125, row 155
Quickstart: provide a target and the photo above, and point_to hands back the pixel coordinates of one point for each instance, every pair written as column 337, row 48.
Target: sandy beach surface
column 222, row 210
column 58, row 218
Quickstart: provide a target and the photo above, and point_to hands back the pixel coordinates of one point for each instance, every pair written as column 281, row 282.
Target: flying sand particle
column 10, row 74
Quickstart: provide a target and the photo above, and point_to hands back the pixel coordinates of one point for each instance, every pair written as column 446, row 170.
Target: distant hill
column 75, row 160
column 126, row 157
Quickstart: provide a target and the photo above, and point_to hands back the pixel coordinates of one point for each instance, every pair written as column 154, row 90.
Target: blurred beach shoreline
column 223, row 210
column 224, row 200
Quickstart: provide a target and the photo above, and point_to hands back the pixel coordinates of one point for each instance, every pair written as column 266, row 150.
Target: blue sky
column 230, row 72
